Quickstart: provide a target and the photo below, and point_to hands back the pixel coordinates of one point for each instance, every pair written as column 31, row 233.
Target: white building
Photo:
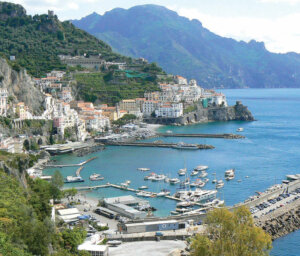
column 219, row 99
column 149, row 106
column 171, row 110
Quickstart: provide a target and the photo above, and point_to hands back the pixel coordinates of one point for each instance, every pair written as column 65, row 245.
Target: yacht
column 214, row 181
column 158, row 177
column 96, row 176
column 143, row 169
column 213, row 203
column 164, row 192
column 200, row 168
column 182, row 145
column 174, row 181
column 74, row 179
column 126, row 183
column 198, row 195
column 240, row 129
column 194, row 173
column 184, row 204
column 182, row 172
column 144, row 194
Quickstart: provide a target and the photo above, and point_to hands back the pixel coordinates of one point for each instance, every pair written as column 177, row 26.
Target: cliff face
column 238, row 112
column 21, row 86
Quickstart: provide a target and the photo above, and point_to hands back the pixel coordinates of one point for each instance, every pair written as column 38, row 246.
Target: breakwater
column 159, row 145
column 282, row 221
column 70, row 165
column 201, row 135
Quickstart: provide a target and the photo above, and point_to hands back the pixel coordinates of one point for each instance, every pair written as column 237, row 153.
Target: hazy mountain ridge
column 183, row 46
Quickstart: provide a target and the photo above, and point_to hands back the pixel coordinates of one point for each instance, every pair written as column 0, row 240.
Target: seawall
column 282, row 221
column 238, row 112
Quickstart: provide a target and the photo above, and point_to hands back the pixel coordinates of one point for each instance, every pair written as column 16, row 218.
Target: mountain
column 185, row 47
column 36, row 41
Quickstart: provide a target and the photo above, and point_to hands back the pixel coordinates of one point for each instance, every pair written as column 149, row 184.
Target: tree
column 231, row 234
column 26, row 144
column 57, row 182
column 70, row 193
column 51, row 139
column 73, row 238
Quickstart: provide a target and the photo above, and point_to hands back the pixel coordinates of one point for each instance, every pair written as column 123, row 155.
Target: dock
column 154, row 144
column 70, row 165
column 79, row 170
column 202, row 135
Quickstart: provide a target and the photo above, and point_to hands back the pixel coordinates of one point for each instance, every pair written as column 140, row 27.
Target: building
column 180, row 80
column 171, row 110
column 218, row 99
column 66, row 94
column 124, row 205
column 149, row 107
column 91, row 246
column 152, row 226
column 21, row 111
column 68, row 215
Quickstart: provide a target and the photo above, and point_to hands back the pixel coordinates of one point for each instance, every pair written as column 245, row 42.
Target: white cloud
column 278, row 34
column 281, row 1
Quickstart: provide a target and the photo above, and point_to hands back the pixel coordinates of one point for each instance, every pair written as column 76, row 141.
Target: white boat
column 220, row 184
column 143, row 187
column 198, row 195
column 128, row 182
column 213, row 203
column 182, row 172
column 184, row 204
column 240, row 129
column 200, row 168
column 158, row 177
column 143, row 169
column 144, row 194
column 203, row 174
column 198, row 183
column 214, row 181
column 96, row 176
column 194, row 173
column 206, row 180
column 174, row 180
column 182, row 145
column 230, row 177
column 167, row 180
column 164, row 192
column 73, row 179
column 169, row 131
column 230, row 172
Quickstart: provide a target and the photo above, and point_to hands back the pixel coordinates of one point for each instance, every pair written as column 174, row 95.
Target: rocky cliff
column 238, row 112
column 21, row 86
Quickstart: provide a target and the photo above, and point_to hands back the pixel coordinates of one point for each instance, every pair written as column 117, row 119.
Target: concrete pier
column 70, row 165
column 153, row 144
column 202, row 135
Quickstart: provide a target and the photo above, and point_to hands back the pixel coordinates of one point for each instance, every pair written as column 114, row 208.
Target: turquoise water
column 270, row 151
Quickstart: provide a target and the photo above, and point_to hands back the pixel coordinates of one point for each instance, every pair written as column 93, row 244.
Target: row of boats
column 76, row 179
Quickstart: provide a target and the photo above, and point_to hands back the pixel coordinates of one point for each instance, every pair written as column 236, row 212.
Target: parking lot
column 274, row 203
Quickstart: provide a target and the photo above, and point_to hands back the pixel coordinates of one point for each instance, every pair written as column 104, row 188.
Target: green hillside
column 36, row 41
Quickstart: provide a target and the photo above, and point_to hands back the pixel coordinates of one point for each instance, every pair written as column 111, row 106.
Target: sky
column 275, row 22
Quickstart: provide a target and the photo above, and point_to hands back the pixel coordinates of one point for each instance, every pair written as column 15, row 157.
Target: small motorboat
column 203, row 174
column 143, row 169
column 143, row 187
column 173, row 181
column 96, row 176
column 164, row 192
column 220, row 184
column 200, row 168
column 214, row 181
column 182, row 172
column 240, row 129
column 194, row 173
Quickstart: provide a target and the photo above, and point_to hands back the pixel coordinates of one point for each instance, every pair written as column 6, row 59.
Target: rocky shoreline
column 238, row 112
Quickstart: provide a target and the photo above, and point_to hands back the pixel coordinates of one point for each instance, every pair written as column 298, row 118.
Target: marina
column 257, row 158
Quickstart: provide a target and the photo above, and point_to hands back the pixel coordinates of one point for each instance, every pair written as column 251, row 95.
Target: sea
column 270, row 151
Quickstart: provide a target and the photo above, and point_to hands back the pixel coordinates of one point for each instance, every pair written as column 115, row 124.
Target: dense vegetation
column 26, row 228
column 113, row 86
column 37, row 41
column 231, row 233
column 185, row 47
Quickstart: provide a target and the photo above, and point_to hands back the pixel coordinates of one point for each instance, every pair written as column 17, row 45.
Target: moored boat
column 73, row 179
column 182, row 145
column 182, row 172
column 96, row 176
column 143, row 169
column 200, row 168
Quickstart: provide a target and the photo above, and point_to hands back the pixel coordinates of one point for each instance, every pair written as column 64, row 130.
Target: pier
column 202, row 135
column 154, row 144
column 70, row 165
